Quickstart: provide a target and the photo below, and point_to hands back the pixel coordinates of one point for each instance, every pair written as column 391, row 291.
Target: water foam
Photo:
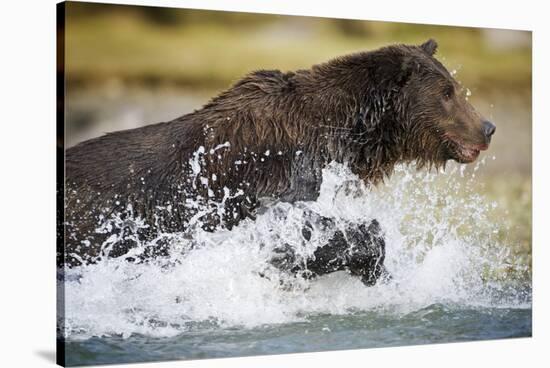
column 441, row 248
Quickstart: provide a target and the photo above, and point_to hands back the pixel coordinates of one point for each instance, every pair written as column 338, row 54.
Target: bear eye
column 448, row 93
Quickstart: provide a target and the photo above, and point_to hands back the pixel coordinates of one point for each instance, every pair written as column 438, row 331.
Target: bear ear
column 429, row 47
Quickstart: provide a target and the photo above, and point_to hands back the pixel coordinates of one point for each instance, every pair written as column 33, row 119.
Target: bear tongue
column 479, row 147
column 469, row 153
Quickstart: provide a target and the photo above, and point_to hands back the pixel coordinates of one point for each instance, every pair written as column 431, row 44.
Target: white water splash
column 441, row 248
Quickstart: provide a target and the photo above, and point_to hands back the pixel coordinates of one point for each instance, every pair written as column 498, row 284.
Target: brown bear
column 268, row 136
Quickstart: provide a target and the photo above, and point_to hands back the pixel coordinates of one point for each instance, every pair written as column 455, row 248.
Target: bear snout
column 488, row 129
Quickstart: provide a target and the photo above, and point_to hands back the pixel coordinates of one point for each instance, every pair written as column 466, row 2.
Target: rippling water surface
column 452, row 280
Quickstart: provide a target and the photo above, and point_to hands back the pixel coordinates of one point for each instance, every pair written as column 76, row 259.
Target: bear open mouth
column 464, row 152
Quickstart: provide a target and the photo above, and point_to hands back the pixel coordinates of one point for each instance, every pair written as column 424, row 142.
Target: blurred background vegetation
column 128, row 66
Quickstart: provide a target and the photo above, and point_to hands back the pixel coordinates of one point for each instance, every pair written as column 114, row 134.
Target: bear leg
column 359, row 250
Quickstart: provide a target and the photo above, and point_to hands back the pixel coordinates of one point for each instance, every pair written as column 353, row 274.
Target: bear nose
column 488, row 128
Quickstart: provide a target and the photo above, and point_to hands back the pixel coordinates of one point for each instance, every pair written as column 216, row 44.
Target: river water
column 437, row 323
column 452, row 280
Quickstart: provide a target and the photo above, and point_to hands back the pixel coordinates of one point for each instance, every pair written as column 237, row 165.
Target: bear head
column 439, row 122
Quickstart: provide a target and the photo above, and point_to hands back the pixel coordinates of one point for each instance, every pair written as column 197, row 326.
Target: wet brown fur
column 370, row 110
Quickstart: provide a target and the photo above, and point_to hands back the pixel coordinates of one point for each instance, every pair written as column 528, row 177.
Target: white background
column 27, row 181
